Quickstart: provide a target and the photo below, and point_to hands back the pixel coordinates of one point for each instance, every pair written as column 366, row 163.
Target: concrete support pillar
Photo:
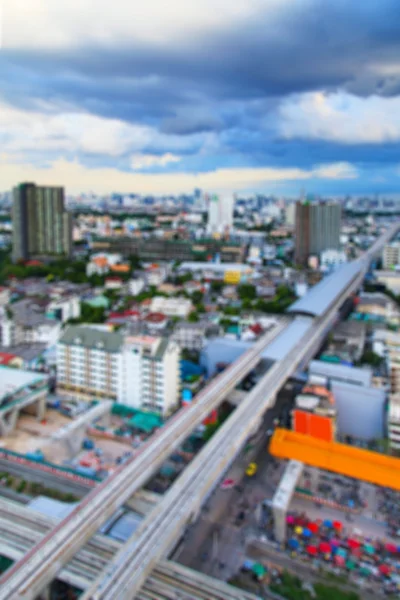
column 279, row 514
column 8, row 422
column 41, row 408
column 283, row 496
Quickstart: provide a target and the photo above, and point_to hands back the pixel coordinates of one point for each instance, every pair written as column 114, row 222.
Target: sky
column 273, row 96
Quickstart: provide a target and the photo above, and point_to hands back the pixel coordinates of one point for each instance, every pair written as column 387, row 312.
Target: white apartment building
column 393, row 421
column 387, row 345
column 172, row 307
column 141, row 371
column 391, row 255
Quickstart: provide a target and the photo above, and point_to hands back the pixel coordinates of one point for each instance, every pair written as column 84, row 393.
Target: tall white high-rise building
column 141, row 371
column 220, row 213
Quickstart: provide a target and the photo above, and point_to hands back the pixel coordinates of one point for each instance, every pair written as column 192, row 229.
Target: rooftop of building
column 155, row 317
column 376, row 298
column 28, row 352
column 31, row 312
column 6, row 358
column 88, row 337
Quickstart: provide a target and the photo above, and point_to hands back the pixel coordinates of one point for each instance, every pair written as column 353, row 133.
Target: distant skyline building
column 317, row 229
column 41, row 225
column 220, row 213
column 391, row 255
column 290, row 214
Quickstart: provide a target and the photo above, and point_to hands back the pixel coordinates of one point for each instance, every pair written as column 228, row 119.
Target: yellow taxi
column 251, row 469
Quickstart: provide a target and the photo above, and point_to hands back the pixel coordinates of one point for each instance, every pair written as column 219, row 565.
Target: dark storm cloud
column 227, row 81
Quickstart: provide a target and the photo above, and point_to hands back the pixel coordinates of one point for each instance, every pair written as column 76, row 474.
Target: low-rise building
column 136, row 285
column 390, row 279
column 332, row 259
column 172, row 307
column 139, row 371
column 378, row 307
column 191, row 336
column 26, row 322
column 102, row 263
column 265, row 288
column 114, row 282
column 155, row 275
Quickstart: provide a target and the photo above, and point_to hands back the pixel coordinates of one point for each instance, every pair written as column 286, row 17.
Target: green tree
column 197, row 297
column 370, row 358
column 246, row 291
column 217, row 286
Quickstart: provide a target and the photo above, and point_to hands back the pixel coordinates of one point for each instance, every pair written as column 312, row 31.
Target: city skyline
column 269, row 97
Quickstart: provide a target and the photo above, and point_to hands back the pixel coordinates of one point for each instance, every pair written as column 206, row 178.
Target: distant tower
column 41, row 225
column 220, row 213
column 317, row 229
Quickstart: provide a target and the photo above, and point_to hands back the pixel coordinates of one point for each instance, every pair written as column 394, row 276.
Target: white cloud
column 146, row 161
column 35, row 132
column 340, row 117
column 72, row 23
column 77, row 178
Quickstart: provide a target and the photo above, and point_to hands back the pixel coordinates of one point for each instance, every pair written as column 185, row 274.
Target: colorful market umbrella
column 384, row 569
column 364, row 571
column 339, row 560
column 298, row 530
column 391, row 548
column 325, row 548
column 342, row 552
column 334, row 543
column 312, row 550
column 369, row 549
column 353, row 543
column 327, row 523
column 350, row 564
column 290, row 519
column 337, row 525
column 356, row 552
column 259, row 570
column 307, row 533
column 313, row 527
column 294, row 544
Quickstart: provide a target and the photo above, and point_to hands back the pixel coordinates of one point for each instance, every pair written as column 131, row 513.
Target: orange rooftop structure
column 339, row 458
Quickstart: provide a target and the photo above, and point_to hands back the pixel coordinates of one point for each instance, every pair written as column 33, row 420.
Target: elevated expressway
column 128, row 570
column 45, row 560
column 20, row 528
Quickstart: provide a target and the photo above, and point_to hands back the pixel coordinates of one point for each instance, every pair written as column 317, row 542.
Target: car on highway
column 251, row 469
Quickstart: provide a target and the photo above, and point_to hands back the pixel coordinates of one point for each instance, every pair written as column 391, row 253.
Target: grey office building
column 41, row 225
column 317, row 229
